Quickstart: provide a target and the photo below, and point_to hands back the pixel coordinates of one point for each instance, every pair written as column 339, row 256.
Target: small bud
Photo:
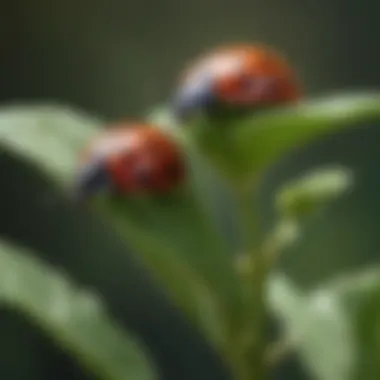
column 305, row 195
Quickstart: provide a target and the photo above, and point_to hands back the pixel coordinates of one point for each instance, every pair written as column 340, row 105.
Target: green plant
column 226, row 293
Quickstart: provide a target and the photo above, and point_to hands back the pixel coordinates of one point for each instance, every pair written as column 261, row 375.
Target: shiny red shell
column 139, row 158
column 246, row 75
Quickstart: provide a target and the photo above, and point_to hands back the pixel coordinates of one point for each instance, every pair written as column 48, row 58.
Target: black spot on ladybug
column 174, row 170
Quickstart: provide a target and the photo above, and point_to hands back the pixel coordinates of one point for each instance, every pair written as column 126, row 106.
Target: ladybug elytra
column 240, row 76
column 131, row 158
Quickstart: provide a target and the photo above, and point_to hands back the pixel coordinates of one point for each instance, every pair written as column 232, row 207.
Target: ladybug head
column 130, row 159
column 242, row 77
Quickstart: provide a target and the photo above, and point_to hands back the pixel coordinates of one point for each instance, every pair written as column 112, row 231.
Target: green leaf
column 72, row 316
column 316, row 327
column 173, row 236
column 178, row 240
column 243, row 147
column 49, row 136
column 359, row 295
column 264, row 138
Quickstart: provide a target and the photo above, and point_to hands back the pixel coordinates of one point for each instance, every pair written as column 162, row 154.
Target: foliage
column 75, row 317
column 225, row 293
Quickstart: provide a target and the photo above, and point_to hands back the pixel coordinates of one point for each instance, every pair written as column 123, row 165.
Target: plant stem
column 259, row 259
column 248, row 219
column 285, row 233
column 279, row 351
column 255, row 339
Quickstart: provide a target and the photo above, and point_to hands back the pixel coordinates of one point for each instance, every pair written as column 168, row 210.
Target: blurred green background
column 117, row 58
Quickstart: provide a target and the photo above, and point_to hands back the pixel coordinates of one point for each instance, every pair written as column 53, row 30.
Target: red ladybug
column 131, row 158
column 238, row 76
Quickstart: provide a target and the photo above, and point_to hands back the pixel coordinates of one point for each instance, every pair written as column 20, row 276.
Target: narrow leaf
column 263, row 138
column 242, row 146
column 75, row 317
column 49, row 136
column 359, row 295
column 317, row 328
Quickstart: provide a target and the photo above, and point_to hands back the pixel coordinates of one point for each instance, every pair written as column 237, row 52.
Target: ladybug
column 242, row 77
column 130, row 158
